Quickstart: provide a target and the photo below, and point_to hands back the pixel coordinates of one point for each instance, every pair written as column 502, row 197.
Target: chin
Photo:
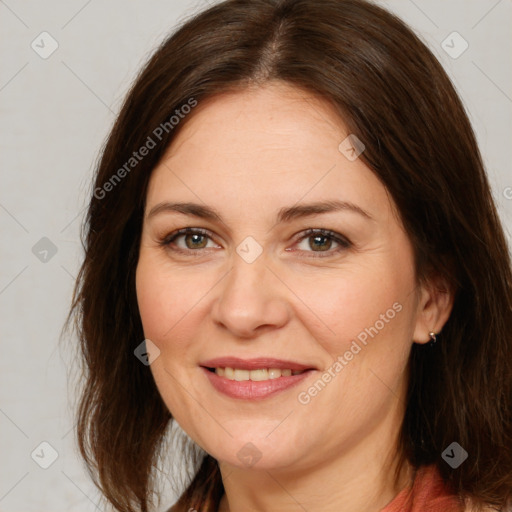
column 256, row 453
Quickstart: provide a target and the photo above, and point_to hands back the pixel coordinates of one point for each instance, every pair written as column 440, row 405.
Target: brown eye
column 321, row 241
column 193, row 238
column 194, row 241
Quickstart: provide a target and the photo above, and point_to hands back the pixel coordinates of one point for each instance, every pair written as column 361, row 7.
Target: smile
column 257, row 375
column 254, row 379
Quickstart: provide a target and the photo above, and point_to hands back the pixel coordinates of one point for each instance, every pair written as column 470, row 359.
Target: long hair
column 391, row 92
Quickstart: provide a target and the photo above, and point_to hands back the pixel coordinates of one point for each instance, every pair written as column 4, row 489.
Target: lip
column 254, row 390
column 254, row 364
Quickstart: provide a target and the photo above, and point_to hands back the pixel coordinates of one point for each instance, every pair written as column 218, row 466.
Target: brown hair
column 394, row 95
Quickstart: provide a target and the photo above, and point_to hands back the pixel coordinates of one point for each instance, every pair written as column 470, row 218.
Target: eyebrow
column 286, row 214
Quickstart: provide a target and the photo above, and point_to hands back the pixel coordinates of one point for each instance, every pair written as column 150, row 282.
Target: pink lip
column 253, row 390
column 254, row 364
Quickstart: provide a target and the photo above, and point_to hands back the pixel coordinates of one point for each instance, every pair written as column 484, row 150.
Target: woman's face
column 262, row 167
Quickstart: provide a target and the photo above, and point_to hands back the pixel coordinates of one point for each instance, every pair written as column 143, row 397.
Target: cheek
column 153, row 300
column 161, row 297
column 171, row 301
column 358, row 306
column 367, row 326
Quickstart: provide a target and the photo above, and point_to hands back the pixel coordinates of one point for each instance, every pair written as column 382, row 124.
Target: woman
column 292, row 251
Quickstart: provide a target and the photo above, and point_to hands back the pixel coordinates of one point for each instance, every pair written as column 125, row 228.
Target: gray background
column 55, row 114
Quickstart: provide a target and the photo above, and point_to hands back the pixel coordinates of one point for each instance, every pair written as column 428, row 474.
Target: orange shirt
column 428, row 494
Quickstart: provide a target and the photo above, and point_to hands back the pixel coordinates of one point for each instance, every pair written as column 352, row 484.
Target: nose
column 251, row 299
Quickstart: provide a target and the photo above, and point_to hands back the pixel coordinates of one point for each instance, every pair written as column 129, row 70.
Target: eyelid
column 185, row 231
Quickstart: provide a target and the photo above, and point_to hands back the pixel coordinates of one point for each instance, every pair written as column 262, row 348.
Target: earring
column 433, row 337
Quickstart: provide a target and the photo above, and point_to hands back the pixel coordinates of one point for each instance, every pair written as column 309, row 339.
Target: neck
column 363, row 480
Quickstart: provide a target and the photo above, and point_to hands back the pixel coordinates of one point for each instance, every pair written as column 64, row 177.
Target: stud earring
column 433, row 337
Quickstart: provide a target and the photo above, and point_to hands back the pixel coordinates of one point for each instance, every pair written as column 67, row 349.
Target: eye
column 321, row 241
column 192, row 238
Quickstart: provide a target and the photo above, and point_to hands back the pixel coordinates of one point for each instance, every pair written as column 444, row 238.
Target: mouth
column 254, row 379
column 257, row 375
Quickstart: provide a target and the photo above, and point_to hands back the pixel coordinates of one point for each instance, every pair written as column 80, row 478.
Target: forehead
column 276, row 117
column 267, row 146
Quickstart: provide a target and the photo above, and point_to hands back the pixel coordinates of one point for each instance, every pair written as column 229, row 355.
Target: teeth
column 255, row 375
column 242, row 374
column 259, row 374
column 274, row 373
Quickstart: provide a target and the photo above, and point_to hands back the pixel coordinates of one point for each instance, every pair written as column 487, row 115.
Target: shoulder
column 430, row 489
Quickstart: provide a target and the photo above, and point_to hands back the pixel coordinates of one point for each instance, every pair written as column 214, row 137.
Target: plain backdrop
column 55, row 114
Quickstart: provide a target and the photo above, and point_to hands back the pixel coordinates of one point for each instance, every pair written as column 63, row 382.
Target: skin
column 248, row 154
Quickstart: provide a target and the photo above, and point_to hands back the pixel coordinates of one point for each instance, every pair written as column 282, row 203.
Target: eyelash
column 343, row 242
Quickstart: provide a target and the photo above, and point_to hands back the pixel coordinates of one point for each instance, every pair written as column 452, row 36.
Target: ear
column 434, row 307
